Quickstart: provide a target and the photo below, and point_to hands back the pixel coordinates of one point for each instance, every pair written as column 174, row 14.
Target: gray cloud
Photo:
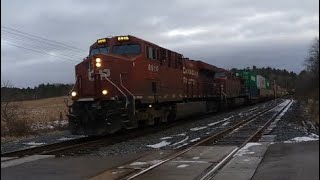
column 233, row 33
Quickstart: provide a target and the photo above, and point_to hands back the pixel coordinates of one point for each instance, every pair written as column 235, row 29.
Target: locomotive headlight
column 98, row 64
column 98, row 60
column 104, row 92
column 73, row 94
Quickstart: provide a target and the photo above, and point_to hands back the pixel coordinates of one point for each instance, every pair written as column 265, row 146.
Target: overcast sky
column 226, row 33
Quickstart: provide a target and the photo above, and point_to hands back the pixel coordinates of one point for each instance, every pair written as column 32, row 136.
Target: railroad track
column 47, row 149
column 238, row 134
column 87, row 144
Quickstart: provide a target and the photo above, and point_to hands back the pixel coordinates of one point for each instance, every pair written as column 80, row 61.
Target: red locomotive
column 126, row 81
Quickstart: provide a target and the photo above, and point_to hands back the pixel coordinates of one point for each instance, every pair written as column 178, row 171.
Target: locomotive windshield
column 127, row 49
column 103, row 50
column 220, row 75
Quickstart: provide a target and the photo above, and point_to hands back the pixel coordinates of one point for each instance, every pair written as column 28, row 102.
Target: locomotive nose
column 106, row 75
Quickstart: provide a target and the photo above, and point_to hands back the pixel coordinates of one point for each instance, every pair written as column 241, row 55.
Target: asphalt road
column 290, row 161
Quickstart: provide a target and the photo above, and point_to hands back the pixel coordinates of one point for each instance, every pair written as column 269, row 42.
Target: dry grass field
column 37, row 115
column 45, row 110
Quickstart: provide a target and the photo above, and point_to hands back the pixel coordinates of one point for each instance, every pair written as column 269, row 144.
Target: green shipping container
column 249, row 77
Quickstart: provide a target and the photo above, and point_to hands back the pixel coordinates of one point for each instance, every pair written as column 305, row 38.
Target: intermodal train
column 126, row 82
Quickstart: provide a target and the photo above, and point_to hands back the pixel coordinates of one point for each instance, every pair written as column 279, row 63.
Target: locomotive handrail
column 134, row 98
column 119, row 90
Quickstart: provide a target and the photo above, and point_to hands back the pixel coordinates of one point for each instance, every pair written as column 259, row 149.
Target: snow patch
column 138, row 163
column 212, row 124
column 195, row 158
column 49, row 125
column 183, row 140
column 181, row 146
column 160, row 144
column 224, row 119
column 245, row 149
column 33, row 144
column 65, row 138
column 194, row 140
column 226, row 123
column 190, row 161
column 164, row 138
column 182, row 134
column 61, row 123
column 198, row 128
column 228, row 118
column 182, row 166
column 154, row 162
column 311, row 137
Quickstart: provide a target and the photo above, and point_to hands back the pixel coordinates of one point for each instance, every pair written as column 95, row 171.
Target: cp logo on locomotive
column 104, row 73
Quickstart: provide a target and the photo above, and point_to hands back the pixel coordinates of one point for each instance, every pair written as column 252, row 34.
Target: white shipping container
column 261, row 82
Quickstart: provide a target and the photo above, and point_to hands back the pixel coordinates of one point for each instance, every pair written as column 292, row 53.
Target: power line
column 41, row 45
column 38, row 46
column 12, row 37
column 27, row 39
column 47, row 40
column 71, row 60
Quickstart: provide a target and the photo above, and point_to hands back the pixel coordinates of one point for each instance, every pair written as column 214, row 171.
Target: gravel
column 30, row 142
column 176, row 137
column 295, row 123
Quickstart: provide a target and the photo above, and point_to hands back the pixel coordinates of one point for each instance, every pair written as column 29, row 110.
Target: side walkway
column 290, row 161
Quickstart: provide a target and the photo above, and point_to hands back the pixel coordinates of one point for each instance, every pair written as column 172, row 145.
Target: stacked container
column 261, row 82
column 250, row 82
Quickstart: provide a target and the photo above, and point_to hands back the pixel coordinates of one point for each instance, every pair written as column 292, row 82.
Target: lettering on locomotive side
column 190, row 72
column 189, row 81
column 153, row 68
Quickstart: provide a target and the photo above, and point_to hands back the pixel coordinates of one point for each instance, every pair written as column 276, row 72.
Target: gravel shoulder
column 295, row 123
column 30, row 142
column 176, row 137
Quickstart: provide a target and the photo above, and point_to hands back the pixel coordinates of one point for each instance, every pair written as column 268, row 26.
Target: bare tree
column 312, row 62
column 12, row 112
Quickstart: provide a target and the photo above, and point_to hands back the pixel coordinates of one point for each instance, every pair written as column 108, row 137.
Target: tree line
column 282, row 77
column 10, row 93
column 307, row 85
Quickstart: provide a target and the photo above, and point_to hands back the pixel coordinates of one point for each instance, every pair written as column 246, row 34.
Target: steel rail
column 205, row 141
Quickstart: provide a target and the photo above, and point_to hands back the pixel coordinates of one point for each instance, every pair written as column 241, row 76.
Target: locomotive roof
column 209, row 67
column 135, row 38
column 201, row 64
